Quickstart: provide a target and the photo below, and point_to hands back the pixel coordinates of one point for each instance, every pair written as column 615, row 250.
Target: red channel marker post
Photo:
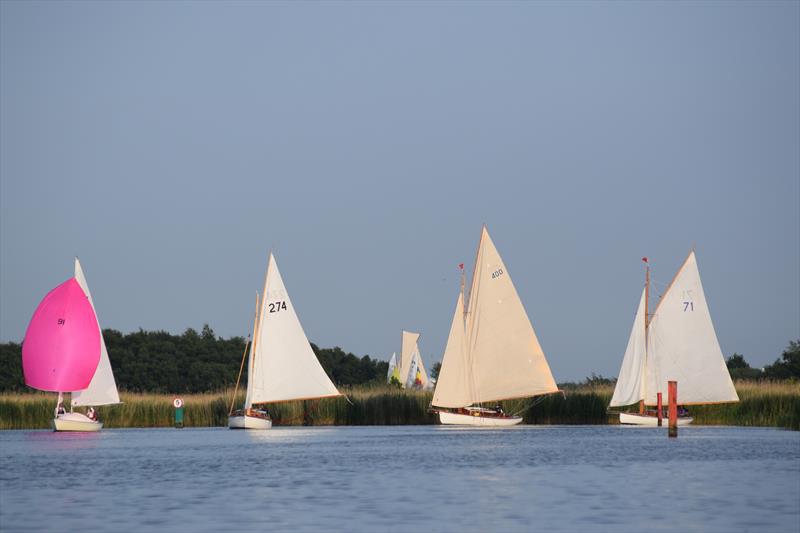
column 673, row 408
column 660, row 414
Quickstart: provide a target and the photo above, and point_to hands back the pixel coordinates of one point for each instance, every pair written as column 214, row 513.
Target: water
column 405, row 478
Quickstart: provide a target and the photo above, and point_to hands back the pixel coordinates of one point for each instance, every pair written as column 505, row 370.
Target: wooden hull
column 477, row 419
column 75, row 422
column 635, row 419
column 248, row 422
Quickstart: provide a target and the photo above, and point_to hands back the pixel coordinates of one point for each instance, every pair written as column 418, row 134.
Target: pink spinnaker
column 62, row 344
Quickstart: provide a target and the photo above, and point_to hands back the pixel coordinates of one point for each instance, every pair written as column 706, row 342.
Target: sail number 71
column 688, row 306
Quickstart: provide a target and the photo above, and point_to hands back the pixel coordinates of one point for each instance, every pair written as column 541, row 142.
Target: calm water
column 407, row 478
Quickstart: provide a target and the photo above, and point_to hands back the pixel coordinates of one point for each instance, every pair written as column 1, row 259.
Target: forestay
column 683, row 347
column 283, row 365
column 630, row 383
column 102, row 390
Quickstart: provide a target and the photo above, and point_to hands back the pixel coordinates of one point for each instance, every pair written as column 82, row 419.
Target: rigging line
column 534, row 402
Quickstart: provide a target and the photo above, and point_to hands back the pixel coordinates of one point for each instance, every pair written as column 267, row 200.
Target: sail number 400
column 275, row 307
column 497, row 273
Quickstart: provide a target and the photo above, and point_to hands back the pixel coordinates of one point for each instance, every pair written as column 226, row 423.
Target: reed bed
column 775, row 404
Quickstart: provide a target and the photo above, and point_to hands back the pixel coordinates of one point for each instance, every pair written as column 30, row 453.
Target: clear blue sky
column 171, row 145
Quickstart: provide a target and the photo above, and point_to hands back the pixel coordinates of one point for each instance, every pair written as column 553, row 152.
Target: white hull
column 636, row 419
column 477, row 420
column 75, row 422
column 248, row 422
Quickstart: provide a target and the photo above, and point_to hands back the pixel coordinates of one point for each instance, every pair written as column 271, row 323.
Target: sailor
column 60, row 409
column 91, row 414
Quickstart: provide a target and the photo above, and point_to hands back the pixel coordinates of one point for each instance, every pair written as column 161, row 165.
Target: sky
column 172, row 145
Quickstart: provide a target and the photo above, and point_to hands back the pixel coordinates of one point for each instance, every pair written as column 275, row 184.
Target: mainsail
column 502, row 358
column 102, row 390
column 282, row 364
column 683, row 347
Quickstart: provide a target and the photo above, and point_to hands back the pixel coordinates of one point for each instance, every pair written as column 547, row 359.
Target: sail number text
column 497, row 273
column 275, row 307
column 688, row 303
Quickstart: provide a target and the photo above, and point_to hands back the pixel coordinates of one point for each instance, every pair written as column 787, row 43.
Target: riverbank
column 768, row 404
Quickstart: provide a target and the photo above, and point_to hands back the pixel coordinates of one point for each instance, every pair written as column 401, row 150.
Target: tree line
column 158, row 361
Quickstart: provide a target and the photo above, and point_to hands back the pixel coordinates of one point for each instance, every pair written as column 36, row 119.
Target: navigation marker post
column 178, row 404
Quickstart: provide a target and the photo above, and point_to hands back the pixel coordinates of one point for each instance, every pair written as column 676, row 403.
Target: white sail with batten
column 630, row 383
column 284, row 367
column 102, row 390
column 683, row 347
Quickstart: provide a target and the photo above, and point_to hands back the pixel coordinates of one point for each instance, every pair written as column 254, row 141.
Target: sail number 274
column 275, row 307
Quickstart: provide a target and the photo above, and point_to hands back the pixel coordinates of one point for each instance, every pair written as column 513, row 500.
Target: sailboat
column 676, row 343
column 412, row 369
column 64, row 351
column 492, row 352
column 281, row 366
column 394, row 371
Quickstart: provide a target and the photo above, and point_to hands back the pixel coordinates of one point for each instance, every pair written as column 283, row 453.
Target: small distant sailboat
column 282, row 367
column 394, row 371
column 64, row 351
column 492, row 352
column 676, row 343
column 412, row 370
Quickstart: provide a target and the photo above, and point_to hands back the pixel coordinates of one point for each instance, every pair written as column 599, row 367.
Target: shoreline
column 763, row 404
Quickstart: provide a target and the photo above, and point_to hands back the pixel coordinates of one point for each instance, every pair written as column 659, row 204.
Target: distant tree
column 740, row 369
column 158, row 361
column 736, row 361
column 788, row 366
column 435, row 369
column 11, row 378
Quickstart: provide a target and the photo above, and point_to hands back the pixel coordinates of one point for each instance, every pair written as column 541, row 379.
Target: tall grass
column 762, row 404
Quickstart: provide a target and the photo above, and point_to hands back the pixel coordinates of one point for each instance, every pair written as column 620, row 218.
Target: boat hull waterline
column 75, row 422
column 248, row 422
column 458, row 419
column 635, row 419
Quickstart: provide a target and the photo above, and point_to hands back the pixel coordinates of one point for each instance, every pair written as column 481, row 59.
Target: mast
column 646, row 317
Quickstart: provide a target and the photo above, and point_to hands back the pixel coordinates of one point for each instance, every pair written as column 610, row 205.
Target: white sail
column 283, row 366
column 412, row 372
column 408, row 347
column 630, row 383
column 453, row 386
column 102, row 390
column 683, row 347
column 392, row 366
column 507, row 360
column 425, row 381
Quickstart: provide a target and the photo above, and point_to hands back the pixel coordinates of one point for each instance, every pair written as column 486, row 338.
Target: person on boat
column 60, row 409
column 91, row 415
column 498, row 409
